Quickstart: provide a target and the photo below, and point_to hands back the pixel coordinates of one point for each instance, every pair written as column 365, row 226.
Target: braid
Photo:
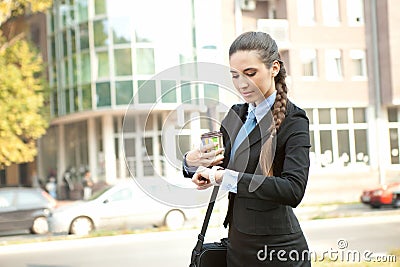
column 281, row 97
column 267, row 152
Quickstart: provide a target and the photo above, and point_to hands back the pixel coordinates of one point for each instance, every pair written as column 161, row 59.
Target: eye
column 235, row 76
column 251, row 74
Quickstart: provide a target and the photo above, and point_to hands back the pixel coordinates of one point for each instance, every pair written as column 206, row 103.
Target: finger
column 208, row 147
column 196, row 179
column 199, row 179
column 209, row 155
column 217, row 162
column 220, row 151
column 203, row 187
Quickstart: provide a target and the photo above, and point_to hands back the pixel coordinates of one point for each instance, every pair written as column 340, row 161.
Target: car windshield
column 99, row 193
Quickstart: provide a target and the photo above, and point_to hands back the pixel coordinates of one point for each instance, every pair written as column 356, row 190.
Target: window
column 66, row 43
column 342, row 115
column 310, row 115
column 333, row 64
column 355, row 12
column 394, row 128
column 324, row 115
column 86, row 97
column 100, row 7
column 121, row 195
column 6, row 198
column 82, row 10
column 306, row 12
column 168, row 91
column 341, row 141
column 308, row 59
column 124, row 92
column 344, row 146
column 85, row 68
column 392, row 115
column 211, row 93
column 147, row 91
column 122, row 30
column 67, row 98
column 359, row 115
column 182, row 143
column 358, row 63
column 28, row 199
column 83, row 36
column 123, row 62
column 330, row 12
column 145, row 61
column 75, row 98
column 360, row 138
column 189, row 92
column 103, row 94
column 102, row 65
column 100, row 35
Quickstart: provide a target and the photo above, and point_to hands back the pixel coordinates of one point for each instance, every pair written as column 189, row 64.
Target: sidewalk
column 325, row 211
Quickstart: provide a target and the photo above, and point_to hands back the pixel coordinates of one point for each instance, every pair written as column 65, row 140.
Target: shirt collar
column 262, row 109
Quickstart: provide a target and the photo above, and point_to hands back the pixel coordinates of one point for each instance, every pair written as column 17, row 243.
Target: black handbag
column 209, row 254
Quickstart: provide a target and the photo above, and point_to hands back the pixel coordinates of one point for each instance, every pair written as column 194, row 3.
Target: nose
column 243, row 82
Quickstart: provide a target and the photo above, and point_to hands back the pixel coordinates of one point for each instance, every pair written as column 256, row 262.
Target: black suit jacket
column 268, row 209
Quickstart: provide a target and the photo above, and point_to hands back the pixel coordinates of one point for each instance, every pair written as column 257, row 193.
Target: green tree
column 22, row 87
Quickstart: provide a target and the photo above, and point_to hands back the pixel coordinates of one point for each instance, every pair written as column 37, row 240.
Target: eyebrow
column 246, row 69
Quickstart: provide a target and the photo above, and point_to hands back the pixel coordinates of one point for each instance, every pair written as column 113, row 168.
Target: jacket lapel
column 236, row 122
column 261, row 132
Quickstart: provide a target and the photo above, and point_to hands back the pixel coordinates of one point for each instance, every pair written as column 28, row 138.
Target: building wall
column 352, row 148
column 351, row 145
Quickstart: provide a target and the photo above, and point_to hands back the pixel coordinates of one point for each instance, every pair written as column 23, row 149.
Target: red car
column 383, row 195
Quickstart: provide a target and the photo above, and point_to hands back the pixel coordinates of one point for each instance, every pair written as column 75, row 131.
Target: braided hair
column 268, row 53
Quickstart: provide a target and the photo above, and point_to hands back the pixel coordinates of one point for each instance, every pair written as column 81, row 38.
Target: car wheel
column 174, row 220
column 40, row 226
column 81, row 226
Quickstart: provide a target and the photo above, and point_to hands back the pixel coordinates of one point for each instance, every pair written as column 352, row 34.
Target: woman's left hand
column 202, row 178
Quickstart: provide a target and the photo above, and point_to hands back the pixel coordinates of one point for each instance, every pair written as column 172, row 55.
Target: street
column 378, row 234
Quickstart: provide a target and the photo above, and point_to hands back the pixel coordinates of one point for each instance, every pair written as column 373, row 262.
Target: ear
column 276, row 66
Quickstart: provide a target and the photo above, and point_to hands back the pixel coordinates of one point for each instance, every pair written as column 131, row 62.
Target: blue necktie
column 247, row 127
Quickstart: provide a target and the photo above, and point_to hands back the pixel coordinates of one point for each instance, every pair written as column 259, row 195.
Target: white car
column 122, row 206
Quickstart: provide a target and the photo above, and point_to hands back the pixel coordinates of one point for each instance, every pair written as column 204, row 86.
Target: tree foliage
column 22, row 87
column 14, row 8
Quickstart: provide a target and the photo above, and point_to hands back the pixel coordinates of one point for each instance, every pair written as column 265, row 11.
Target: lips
column 247, row 93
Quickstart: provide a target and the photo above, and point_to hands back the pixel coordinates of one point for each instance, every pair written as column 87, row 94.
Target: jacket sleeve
column 289, row 187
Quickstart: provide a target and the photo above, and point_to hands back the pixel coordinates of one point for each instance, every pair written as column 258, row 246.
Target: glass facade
column 104, row 48
column 104, row 57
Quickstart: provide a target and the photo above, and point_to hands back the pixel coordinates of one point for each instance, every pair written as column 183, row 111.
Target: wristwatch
column 211, row 175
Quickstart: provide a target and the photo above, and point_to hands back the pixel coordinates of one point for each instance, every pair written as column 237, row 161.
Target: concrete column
column 109, row 148
column 92, row 147
column 61, row 168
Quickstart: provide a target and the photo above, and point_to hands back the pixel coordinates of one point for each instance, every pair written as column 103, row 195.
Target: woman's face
column 251, row 77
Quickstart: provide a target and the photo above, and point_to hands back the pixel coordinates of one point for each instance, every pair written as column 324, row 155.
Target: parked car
column 122, row 206
column 382, row 195
column 23, row 208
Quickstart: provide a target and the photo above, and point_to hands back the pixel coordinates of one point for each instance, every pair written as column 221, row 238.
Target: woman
column 267, row 172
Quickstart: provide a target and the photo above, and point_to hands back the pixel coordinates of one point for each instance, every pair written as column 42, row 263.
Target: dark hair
column 268, row 52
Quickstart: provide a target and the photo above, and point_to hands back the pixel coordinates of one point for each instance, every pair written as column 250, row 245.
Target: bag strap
column 200, row 240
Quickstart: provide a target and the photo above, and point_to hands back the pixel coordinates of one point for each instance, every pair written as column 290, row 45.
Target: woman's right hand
column 205, row 156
